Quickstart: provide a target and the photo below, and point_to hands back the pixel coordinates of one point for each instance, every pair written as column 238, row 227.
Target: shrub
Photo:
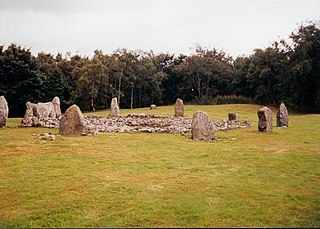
column 233, row 99
column 222, row 99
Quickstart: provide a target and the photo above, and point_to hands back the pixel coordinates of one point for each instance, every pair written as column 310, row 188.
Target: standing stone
column 72, row 121
column 114, row 108
column 202, row 127
column 56, row 105
column 179, row 108
column 29, row 110
column 282, row 116
column 4, row 111
column 45, row 110
column 233, row 117
column 265, row 119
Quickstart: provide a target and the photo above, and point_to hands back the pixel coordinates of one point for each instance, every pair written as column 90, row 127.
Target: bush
column 222, row 99
column 233, row 99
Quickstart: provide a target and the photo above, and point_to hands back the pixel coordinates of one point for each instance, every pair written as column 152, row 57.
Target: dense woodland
column 284, row 72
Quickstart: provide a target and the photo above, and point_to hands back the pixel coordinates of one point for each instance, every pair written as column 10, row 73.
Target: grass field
column 245, row 179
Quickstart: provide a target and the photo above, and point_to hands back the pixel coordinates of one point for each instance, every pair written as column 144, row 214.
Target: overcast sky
column 175, row 26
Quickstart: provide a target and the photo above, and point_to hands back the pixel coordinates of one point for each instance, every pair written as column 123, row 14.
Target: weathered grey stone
column 153, row 106
column 45, row 110
column 56, row 105
column 41, row 114
column 4, row 111
column 29, row 111
column 202, row 127
column 265, row 119
column 72, row 121
column 233, row 117
column 114, row 108
column 47, row 136
column 179, row 108
column 282, row 116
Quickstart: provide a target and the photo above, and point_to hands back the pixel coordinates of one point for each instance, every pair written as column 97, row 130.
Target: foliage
column 233, row 99
column 20, row 77
column 279, row 73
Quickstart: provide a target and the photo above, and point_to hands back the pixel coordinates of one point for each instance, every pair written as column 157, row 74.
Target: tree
column 265, row 75
column 54, row 78
column 305, row 66
column 20, row 78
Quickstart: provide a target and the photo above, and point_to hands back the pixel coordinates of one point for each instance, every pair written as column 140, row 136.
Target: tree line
column 284, row 72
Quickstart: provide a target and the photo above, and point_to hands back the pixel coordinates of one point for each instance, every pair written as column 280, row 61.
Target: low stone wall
column 140, row 123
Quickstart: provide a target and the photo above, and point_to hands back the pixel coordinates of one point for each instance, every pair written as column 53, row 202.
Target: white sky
column 175, row 26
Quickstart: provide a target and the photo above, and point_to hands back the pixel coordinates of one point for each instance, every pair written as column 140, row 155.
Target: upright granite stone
column 282, row 116
column 29, row 110
column 56, row 105
column 202, row 127
column 233, row 117
column 72, row 121
column 114, row 108
column 45, row 110
column 265, row 119
column 4, row 111
column 179, row 108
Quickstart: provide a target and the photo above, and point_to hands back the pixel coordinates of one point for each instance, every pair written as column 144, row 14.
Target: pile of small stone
column 40, row 122
column 151, row 124
column 42, row 114
column 46, row 136
column 227, row 125
column 139, row 123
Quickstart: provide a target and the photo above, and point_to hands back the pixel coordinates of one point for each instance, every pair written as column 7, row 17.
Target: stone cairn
column 179, row 108
column 42, row 114
column 282, row 116
column 4, row 111
column 91, row 125
column 233, row 117
column 202, row 128
column 114, row 108
column 153, row 124
column 72, row 121
column 265, row 119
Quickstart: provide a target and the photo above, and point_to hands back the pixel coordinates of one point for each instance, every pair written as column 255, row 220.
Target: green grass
column 246, row 178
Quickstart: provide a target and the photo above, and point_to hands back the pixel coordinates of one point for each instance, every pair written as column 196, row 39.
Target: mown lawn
column 245, row 179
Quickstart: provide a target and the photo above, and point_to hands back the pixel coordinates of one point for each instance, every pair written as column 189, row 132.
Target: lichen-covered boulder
column 233, row 117
column 114, row 108
column 72, row 122
column 179, row 108
column 56, row 105
column 282, row 116
column 4, row 111
column 265, row 119
column 45, row 110
column 202, row 127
